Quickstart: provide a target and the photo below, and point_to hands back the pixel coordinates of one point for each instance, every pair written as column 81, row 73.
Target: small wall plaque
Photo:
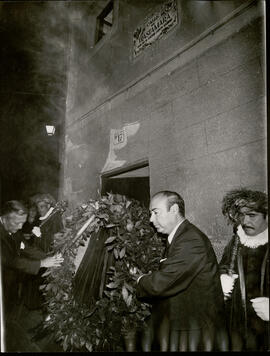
column 119, row 137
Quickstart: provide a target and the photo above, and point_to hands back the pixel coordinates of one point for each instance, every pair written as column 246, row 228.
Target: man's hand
column 136, row 273
column 227, row 283
column 261, row 307
column 52, row 261
column 36, row 231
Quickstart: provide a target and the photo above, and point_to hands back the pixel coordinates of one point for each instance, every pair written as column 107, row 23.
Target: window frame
column 96, row 46
column 100, row 21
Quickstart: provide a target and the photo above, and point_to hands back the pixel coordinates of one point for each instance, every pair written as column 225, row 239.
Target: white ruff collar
column 252, row 241
column 47, row 214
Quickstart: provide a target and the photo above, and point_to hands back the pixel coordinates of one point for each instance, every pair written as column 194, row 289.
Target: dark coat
column 187, row 287
column 13, row 264
column 252, row 267
column 52, row 226
column 33, row 298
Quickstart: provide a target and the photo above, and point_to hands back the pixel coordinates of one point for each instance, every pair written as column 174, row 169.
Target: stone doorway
column 132, row 182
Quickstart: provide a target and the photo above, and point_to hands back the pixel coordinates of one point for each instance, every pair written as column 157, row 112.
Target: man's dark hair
column 14, row 206
column 172, row 198
column 236, row 199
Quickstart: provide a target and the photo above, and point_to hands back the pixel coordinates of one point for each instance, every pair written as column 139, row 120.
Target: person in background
column 32, row 219
column 13, row 263
column 48, row 223
column 28, row 241
column 185, row 292
column 244, row 269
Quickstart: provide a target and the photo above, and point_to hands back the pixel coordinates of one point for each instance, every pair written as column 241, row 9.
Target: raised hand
column 52, row 261
column 36, row 231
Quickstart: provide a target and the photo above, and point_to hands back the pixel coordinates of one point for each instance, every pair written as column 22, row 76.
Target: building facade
column 166, row 95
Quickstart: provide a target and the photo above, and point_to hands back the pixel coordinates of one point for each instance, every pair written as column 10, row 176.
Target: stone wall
column 196, row 112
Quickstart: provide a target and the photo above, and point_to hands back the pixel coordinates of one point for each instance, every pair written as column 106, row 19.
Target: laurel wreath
column 135, row 247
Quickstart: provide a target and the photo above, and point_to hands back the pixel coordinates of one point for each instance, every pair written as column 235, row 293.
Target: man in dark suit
column 14, row 262
column 186, row 290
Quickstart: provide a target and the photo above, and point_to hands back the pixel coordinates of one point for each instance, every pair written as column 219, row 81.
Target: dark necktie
column 166, row 251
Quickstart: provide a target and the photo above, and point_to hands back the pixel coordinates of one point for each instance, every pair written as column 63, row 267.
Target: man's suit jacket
column 187, row 287
column 13, row 262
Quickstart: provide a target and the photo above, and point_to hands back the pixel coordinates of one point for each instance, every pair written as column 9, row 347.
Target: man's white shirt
column 170, row 237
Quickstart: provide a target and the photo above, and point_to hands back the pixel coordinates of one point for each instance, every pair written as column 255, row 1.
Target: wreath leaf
column 110, row 239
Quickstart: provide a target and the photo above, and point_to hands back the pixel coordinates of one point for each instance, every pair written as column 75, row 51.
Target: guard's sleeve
column 225, row 261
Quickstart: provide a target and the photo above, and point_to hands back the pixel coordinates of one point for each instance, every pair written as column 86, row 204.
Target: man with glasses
column 14, row 262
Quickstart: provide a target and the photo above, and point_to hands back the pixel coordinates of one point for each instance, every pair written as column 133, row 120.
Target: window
column 104, row 22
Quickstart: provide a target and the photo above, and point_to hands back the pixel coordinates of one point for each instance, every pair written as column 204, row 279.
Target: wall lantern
column 50, row 130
